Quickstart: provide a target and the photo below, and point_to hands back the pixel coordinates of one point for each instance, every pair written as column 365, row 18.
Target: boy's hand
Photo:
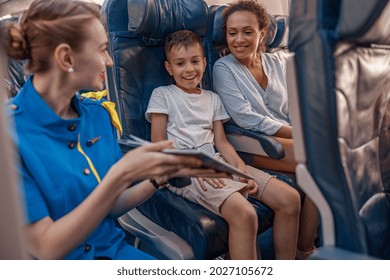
column 217, row 183
column 252, row 186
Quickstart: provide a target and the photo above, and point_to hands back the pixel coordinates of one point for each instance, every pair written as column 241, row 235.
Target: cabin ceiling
column 11, row 7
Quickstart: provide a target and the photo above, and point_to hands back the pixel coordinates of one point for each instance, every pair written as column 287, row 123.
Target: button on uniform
column 87, row 247
column 72, row 127
column 71, row 145
column 86, row 171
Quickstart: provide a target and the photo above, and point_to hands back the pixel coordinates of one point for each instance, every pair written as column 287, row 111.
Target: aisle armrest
column 253, row 142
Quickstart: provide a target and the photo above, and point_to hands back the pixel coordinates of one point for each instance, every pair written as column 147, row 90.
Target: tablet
column 208, row 159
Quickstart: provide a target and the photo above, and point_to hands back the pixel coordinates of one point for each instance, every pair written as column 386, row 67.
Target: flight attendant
column 75, row 179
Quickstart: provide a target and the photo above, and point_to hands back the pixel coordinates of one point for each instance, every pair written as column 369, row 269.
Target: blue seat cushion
column 202, row 229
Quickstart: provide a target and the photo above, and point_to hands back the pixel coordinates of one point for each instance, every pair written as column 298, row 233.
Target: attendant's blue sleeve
column 35, row 206
column 238, row 107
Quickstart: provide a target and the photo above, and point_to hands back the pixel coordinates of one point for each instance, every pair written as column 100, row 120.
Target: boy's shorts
column 213, row 198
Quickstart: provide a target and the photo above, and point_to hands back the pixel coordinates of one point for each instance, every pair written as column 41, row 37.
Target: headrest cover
column 155, row 19
column 368, row 24
column 281, row 32
column 277, row 29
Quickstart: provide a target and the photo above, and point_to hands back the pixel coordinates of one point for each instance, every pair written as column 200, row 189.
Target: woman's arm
column 132, row 197
column 48, row 239
column 284, row 132
column 136, row 195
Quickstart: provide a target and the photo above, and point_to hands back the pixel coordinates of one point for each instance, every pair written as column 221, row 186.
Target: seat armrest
column 146, row 231
column 253, row 142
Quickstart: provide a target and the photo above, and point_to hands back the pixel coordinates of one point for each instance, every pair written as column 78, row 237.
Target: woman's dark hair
column 181, row 38
column 45, row 25
column 251, row 6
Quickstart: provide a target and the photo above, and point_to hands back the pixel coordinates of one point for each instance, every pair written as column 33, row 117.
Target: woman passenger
column 252, row 86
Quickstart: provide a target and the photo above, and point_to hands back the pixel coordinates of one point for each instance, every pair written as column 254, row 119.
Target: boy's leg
column 242, row 220
column 285, row 201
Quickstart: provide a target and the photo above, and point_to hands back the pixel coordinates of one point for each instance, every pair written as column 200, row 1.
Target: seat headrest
column 155, row 19
column 276, row 37
column 368, row 24
column 280, row 31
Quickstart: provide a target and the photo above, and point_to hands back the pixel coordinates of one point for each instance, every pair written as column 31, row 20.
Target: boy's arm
column 230, row 155
column 158, row 127
column 225, row 148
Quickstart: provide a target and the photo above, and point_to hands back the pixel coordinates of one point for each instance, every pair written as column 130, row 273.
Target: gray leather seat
column 342, row 65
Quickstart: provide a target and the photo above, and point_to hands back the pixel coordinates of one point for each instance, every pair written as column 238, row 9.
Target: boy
column 193, row 118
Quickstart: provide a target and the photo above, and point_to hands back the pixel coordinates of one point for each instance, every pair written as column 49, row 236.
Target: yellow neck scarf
column 108, row 105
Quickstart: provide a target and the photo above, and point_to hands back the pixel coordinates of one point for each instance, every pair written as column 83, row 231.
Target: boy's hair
column 181, row 38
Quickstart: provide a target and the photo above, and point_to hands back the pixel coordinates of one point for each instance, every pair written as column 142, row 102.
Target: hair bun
column 18, row 47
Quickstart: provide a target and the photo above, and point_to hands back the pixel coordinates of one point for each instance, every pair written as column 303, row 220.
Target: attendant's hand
column 148, row 161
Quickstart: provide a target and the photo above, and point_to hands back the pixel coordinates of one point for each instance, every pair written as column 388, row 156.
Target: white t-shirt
column 190, row 116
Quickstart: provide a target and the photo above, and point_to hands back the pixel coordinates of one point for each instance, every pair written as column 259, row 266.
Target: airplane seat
column 246, row 142
column 342, row 88
column 167, row 226
column 16, row 75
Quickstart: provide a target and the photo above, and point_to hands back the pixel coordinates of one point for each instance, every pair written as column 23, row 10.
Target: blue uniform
column 62, row 162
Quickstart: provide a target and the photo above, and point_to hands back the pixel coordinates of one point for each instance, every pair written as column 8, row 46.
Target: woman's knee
column 292, row 203
column 289, row 200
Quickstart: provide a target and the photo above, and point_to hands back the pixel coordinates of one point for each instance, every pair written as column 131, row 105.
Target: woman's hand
column 148, row 161
column 217, row 183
